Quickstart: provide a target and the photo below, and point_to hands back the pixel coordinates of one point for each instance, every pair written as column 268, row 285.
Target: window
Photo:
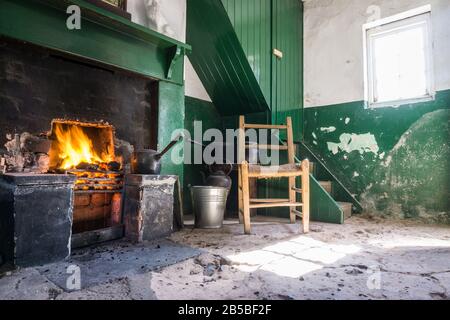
column 399, row 66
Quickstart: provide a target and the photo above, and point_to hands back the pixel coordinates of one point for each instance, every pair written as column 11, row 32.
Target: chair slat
column 275, row 205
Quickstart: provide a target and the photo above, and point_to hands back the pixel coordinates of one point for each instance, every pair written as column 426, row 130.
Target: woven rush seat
column 270, row 170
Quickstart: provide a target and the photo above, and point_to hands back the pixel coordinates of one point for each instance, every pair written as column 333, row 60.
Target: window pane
column 387, row 73
column 400, row 64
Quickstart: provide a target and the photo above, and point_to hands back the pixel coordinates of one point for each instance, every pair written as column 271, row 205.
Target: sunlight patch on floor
column 406, row 241
column 292, row 258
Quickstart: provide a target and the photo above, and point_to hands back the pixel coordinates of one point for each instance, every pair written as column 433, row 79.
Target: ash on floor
column 363, row 259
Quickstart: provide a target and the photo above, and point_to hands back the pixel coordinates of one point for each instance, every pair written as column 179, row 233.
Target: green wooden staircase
column 232, row 53
column 220, row 61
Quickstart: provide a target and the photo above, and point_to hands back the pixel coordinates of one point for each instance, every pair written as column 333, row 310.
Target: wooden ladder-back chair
column 292, row 170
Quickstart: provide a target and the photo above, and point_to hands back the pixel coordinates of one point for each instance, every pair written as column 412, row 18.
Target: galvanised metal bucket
column 209, row 205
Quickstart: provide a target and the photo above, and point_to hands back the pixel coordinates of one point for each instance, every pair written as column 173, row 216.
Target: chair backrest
column 289, row 147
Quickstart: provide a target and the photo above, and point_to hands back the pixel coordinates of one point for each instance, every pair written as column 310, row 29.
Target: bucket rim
column 208, row 188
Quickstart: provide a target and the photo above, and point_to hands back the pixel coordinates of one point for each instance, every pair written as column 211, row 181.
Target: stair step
column 327, row 185
column 347, row 207
column 312, row 168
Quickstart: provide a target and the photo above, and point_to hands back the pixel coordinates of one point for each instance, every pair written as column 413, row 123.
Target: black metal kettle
column 219, row 177
column 148, row 161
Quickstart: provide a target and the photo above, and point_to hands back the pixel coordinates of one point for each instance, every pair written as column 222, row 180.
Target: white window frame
column 389, row 25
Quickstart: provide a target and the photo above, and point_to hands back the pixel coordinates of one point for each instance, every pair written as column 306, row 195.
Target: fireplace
column 115, row 83
column 75, row 118
column 86, row 150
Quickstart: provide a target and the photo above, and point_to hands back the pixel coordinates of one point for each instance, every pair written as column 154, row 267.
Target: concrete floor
column 366, row 258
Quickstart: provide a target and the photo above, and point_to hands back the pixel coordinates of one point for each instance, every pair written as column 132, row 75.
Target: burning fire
column 75, row 147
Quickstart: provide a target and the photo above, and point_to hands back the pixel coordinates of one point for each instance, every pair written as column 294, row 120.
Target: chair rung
column 267, row 147
column 297, row 190
column 297, row 213
column 268, row 200
column 275, row 205
column 264, row 126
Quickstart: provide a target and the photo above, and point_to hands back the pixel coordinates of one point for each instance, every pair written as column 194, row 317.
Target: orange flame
column 76, row 147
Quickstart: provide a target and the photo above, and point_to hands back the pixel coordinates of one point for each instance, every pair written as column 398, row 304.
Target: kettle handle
column 169, row 146
column 228, row 164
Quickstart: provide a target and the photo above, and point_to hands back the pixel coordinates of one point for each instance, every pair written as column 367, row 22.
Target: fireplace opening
column 87, row 151
column 65, row 116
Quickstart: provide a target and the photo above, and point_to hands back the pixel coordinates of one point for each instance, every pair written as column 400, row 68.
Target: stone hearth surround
column 36, row 215
column 143, row 52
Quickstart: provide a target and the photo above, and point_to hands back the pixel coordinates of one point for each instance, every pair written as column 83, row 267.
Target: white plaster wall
column 168, row 17
column 333, row 58
column 165, row 16
column 193, row 86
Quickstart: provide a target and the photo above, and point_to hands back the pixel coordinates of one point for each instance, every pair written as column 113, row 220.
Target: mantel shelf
column 110, row 19
column 105, row 37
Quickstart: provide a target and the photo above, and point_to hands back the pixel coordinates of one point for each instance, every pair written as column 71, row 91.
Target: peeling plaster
column 363, row 143
column 328, row 130
column 413, row 180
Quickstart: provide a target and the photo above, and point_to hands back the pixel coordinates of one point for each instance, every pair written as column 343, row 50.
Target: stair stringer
column 220, row 61
column 323, row 208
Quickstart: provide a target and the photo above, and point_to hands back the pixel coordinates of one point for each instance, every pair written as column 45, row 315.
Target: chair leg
column 292, row 199
column 240, row 199
column 246, row 197
column 305, row 195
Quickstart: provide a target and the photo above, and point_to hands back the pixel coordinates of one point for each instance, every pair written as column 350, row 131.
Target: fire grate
column 104, row 181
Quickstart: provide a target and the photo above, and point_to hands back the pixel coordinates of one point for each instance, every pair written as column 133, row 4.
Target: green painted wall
column 287, row 85
column 396, row 160
column 261, row 26
column 207, row 113
column 171, row 115
column 287, row 73
column 219, row 60
column 251, row 20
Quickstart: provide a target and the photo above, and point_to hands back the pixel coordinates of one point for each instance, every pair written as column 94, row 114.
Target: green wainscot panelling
column 264, row 25
column 220, row 61
column 395, row 160
column 287, row 72
column 252, row 22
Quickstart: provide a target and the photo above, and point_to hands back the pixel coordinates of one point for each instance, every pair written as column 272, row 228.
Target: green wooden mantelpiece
column 104, row 37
